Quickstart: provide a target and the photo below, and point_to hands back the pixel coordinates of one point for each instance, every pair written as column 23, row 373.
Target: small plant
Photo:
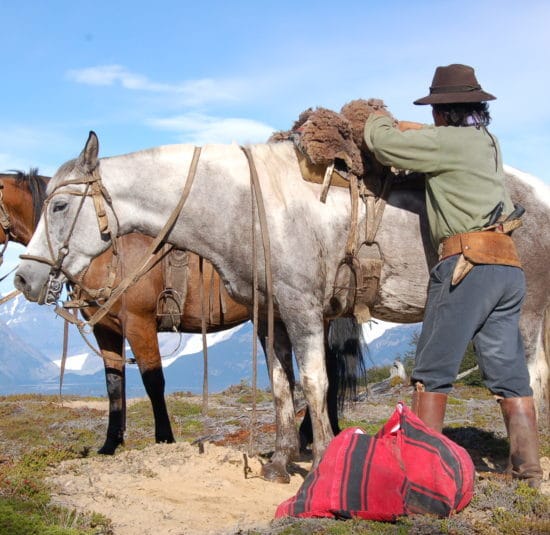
column 377, row 374
column 371, row 428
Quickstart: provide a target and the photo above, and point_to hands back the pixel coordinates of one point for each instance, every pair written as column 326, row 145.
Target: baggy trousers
column 485, row 308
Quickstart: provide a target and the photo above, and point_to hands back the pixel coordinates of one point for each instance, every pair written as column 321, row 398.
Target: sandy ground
column 173, row 489
column 96, row 404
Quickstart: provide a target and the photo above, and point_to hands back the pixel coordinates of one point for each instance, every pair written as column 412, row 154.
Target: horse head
column 77, row 224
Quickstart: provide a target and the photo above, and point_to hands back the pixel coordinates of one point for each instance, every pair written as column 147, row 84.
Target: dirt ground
column 175, row 489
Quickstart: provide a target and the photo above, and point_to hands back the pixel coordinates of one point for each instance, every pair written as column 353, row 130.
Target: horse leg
column 345, row 366
column 310, row 354
column 306, row 430
column 142, row 337
column 282, row 375
column 535, row 329
column 110, row 345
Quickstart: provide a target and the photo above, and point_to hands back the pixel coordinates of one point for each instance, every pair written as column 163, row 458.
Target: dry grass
column 37, row 432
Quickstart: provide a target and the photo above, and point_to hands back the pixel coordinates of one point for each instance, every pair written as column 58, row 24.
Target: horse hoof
column 165, row 440
column 275, row 473
column 106, row 450
column 110, row 447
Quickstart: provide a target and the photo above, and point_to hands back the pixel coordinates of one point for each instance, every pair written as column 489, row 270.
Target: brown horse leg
column 286, row 438
column 142, row 337
column 110, row 344
column 153, row 381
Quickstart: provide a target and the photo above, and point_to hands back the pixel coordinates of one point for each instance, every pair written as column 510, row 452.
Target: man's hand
column 408, row 125
column 384, row 112
column 402, row 125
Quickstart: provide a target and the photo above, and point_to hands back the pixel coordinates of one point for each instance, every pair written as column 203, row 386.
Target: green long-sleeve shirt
column 463, row 166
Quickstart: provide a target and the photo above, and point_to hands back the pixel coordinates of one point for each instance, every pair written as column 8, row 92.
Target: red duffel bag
column 406, row 468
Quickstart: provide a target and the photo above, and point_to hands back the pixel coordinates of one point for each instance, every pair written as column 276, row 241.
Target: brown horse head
column 21, row 198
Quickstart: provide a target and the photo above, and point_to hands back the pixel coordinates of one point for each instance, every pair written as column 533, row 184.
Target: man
column 476, row 290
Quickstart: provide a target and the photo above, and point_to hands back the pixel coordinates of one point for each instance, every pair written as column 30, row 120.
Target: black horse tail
column 345, row 370
column 345, row 363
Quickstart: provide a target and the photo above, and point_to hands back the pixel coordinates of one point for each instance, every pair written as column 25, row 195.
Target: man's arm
column 416, row 150
column 402, row 125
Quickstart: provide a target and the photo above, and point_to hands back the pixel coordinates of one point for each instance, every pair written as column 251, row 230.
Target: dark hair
column 464, row 114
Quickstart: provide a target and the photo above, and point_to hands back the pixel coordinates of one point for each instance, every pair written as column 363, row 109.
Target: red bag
column 406, row 468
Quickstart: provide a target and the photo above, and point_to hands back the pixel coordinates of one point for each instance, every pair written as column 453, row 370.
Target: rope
column 10, row 296
column 253, row 416
column 204, row 343
column 257, row 195
column 351, row 242
column 63, row 358
column 9, row 273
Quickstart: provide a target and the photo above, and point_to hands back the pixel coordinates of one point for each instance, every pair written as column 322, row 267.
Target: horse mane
column 37, row 186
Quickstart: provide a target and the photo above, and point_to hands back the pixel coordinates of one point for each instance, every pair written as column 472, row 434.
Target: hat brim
column 455, row 98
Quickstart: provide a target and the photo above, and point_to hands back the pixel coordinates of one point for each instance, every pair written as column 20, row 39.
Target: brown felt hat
column 455, row 83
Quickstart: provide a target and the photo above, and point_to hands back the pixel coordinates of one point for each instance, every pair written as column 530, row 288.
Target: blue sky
column 143, row 74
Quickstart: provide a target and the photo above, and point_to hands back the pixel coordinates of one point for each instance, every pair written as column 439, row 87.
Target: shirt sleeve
column 413, row 150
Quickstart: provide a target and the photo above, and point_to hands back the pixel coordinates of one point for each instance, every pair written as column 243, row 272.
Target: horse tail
column 345, row 362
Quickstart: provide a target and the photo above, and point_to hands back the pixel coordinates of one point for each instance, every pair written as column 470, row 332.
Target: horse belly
column 407, row 257
column 401, row 298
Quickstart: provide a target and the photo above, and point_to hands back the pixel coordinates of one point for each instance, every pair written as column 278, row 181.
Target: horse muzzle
column 37, row 283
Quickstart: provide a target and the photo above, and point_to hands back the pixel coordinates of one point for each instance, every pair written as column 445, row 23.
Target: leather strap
column 141, row 269
column 483, row 247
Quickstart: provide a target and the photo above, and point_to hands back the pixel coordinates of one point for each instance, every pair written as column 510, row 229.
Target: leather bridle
column 93, row 187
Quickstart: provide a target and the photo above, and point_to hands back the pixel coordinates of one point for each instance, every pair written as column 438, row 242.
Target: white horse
column 307, row 239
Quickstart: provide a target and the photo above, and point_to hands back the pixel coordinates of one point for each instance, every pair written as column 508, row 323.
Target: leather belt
column 483, row 247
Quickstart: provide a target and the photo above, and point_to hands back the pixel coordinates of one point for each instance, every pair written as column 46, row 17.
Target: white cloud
column 202, row 129
column 189, row 92
column 101, row 75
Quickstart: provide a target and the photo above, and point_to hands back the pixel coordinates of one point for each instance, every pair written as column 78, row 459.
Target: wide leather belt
column 483, row 247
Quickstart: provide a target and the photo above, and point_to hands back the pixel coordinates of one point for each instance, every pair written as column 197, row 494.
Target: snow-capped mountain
column 31, row 341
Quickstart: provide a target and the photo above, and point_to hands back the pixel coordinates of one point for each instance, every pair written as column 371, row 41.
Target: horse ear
column 88, row 157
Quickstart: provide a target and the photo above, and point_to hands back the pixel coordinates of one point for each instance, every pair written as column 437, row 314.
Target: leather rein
column 94, row 188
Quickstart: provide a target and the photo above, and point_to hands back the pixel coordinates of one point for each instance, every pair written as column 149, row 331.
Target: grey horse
column 139, row 191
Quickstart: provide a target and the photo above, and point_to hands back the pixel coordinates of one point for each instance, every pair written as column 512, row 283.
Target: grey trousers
column 485, row 308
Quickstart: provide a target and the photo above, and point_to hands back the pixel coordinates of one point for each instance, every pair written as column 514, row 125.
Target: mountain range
column 31, row 341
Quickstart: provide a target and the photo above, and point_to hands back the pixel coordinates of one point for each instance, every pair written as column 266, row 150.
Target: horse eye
column 59, row 206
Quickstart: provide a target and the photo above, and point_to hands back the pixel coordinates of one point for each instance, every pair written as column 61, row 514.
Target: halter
column 96, row 189
column 93, row 188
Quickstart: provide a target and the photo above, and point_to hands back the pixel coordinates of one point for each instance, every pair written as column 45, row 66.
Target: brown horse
column 134, row 317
